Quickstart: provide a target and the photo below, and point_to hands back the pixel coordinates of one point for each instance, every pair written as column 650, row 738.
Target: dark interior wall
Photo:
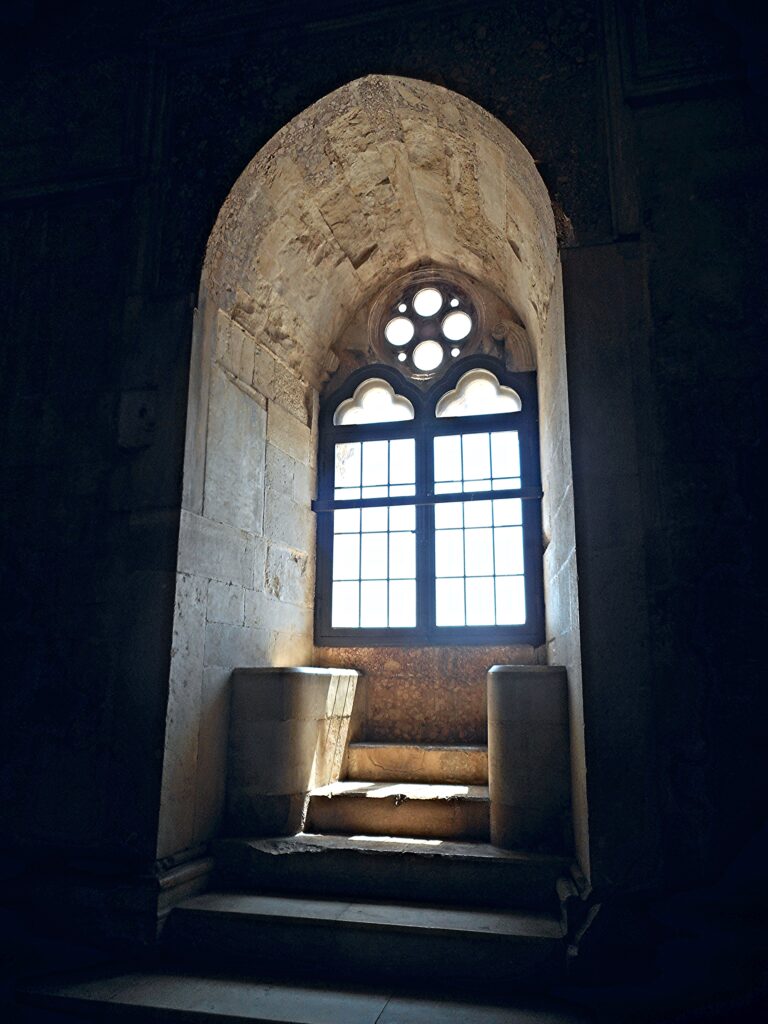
column 702, row 178
column 121, row 135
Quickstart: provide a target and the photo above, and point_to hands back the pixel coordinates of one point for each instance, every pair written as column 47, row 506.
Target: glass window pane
column 477, row 513
column 477, row 485
column 375, row 463
column 449, row 553
column 347, row 465
column 448, row 457
column 479, row 552
column 346, row 520
column 449, row 514
column 480, row 602
column 478, row 393
column 508, row 543
column 375, row 519
column 402, row 461
column 505, row 451
column 448, row 488
column 510, row 601
column 344, row 605
column 508, row 512
column 507, row 483
column 449, row 602
column 373, row 557
column 375, row 492
column 399, row 331
column 402, row 517
column 373, row 603
column 477, row 456
column 402, row 490
column 402, row 556
column 346, row 556
column 346, row 493
column 427, row 301
column 374, row 401
column 402, row 603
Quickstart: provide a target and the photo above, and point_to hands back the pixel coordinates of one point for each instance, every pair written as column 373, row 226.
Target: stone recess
column 384, row 175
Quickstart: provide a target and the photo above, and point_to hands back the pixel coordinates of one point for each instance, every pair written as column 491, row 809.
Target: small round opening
column 402, row 307
column 427, row 355
column 401, row 357
column 454, row 303
column 427, row 301
column 399, row 331
column 455, row 352
column 457, row 326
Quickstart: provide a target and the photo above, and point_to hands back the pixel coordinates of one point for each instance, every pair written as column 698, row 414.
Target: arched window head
column 374, row 401
column 478, row 393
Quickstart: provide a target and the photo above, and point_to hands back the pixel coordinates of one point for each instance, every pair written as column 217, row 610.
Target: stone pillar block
column 529, row 758
column 288, row 734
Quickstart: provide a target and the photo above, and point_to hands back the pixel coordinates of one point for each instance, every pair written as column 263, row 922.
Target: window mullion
column 427, row 515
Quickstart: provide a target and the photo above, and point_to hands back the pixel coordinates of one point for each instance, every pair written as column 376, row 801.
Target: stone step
column 418, row 762
column 400, row 809
column 390, row 868
column 165, row 996
column 369, row 942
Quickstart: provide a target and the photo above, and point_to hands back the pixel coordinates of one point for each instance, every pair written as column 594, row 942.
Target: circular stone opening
column 427, row 301
column 457, row 326
column 428, row 355
column 399, row 331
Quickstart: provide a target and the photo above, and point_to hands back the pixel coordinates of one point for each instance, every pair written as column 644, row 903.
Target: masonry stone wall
column 381, row 175
column 245, row 590
column 123, row 132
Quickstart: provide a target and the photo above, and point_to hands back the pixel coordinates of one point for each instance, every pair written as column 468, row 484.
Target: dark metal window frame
column 423, row 428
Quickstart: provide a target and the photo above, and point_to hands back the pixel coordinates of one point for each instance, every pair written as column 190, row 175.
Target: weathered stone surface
column 234, row 469
column 423, row 694
column 212, row 746
column 231, row 646
column 215, row 550
column 226, row 603
column 401, row 762
column 183, row 716
column 288, row 433
column 288, row 576
column 289, row 523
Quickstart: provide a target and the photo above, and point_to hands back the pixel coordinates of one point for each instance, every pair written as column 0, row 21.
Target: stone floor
column 191, row 997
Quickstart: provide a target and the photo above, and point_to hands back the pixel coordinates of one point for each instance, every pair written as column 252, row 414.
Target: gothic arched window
column 429, row 523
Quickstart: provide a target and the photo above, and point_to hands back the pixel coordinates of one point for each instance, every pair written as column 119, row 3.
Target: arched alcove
column 384, row 176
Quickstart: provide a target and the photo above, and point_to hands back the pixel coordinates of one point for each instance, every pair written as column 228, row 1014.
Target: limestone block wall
column 245, row 574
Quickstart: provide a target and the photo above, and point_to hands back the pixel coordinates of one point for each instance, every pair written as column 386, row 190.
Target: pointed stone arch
column 383, row 176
